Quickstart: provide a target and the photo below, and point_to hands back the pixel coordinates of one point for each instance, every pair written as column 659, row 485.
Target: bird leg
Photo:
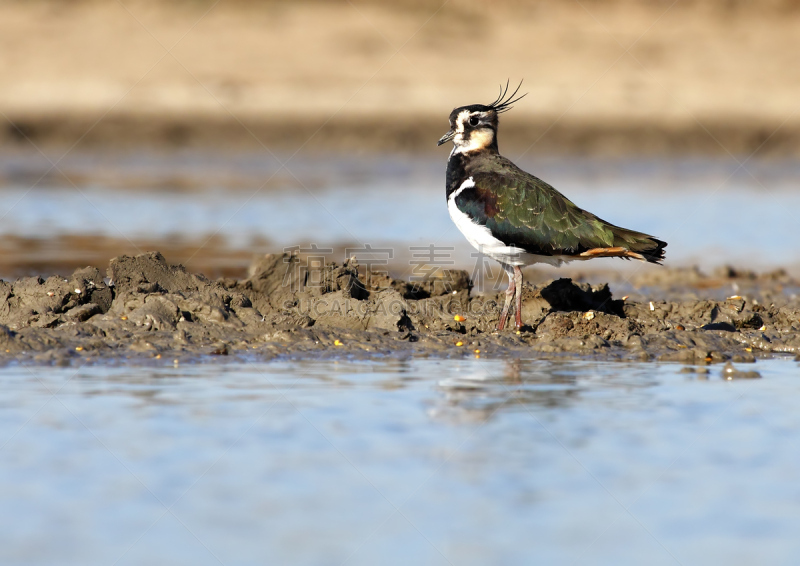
column 518, row 286
column 509, row 295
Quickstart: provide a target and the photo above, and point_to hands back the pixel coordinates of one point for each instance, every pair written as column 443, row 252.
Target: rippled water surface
column 399, row 462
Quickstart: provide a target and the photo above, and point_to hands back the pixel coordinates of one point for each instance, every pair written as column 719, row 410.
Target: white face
column 473, row 131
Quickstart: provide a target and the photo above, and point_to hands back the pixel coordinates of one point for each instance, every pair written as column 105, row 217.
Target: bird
column 516, row 218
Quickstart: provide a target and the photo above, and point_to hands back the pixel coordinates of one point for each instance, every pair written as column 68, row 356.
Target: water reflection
column 461, row 390
column 479, row 392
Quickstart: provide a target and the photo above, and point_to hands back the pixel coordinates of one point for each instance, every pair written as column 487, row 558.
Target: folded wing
column 524, row 211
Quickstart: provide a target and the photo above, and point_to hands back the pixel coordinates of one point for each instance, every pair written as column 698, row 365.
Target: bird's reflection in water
column 481, row 390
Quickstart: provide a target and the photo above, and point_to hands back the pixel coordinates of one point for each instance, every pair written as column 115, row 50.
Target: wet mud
column 143, row 309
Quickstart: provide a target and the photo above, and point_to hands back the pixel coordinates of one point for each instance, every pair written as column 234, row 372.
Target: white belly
column 482, row 240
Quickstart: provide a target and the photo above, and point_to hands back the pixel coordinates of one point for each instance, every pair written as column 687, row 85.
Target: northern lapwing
column 516, row 218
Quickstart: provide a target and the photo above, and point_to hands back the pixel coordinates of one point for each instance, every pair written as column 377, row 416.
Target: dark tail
column 649, row 248
column 629, row 245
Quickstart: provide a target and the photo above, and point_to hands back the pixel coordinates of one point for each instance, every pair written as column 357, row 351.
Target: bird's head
column 474, row 127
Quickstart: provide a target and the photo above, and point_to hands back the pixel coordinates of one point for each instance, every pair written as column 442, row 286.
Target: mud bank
column 144, row 309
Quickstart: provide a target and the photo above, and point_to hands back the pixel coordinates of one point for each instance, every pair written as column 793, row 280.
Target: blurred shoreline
column 604, row 77
column 382, row 134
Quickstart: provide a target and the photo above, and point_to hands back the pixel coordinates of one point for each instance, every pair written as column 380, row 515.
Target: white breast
column 482, row 240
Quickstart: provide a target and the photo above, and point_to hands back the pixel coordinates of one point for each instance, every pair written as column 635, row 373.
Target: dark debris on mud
column 145, row 309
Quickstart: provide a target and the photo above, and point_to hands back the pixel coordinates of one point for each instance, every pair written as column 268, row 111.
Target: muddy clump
column 144, row 308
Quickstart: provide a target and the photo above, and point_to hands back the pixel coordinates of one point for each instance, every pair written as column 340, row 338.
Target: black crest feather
column 504, row 101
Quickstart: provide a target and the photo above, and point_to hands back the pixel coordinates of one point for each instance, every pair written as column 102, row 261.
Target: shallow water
column 711, row 211
column 399, row 462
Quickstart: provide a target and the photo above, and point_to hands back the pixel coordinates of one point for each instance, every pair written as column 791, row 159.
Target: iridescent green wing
column 524, row 211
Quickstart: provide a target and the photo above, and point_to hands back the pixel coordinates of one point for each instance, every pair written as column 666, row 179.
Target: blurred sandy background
column 604, row 76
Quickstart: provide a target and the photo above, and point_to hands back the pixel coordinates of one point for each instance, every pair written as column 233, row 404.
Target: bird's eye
column 474, row 120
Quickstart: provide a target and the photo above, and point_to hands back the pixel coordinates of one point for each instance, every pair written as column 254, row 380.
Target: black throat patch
column 456, row 172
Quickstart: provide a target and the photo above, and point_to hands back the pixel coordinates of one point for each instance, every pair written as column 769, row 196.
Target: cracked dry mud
column 145, row 309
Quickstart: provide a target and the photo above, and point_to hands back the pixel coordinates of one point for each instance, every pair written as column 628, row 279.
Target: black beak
column 447, row 137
